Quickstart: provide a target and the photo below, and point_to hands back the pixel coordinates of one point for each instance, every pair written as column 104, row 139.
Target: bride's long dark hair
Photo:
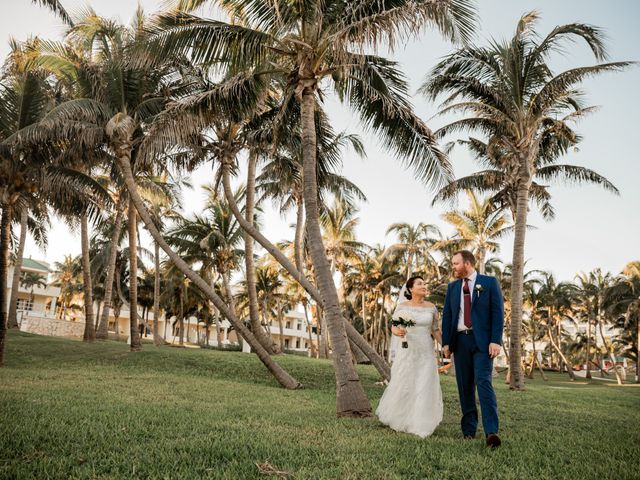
column 409, row 285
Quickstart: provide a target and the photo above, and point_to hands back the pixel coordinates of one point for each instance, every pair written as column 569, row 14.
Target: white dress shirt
column 472, row 282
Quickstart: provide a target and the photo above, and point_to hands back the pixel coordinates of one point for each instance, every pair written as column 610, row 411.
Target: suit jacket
column 487, row 313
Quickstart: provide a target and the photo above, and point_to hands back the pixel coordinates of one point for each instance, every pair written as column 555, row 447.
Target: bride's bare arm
column 437, row 334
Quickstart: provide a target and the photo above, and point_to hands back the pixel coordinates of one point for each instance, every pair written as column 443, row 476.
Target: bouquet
column 401, row 322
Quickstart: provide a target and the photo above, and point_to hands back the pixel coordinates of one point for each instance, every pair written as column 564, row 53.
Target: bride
column 412, row 402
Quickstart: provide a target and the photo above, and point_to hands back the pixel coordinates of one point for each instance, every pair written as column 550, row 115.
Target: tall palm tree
column 35, row 218
column 593, row 287
column 556, row 306
column 414, row 245
column 27, row 171
column 622, row 301
column 478, row 228
column 323, row 41
column 525, row 109
column 113, row 103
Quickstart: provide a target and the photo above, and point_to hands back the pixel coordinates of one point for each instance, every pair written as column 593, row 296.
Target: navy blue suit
column 472, row 362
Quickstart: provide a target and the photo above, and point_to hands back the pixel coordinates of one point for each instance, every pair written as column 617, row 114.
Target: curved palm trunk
column 157, row 339
column 378, row 362
column 517, row 278
column 89, row 319
column 5, row 238
column 254, row 313
column 276, row 370
column 136, row 346
column 103, row 325
column 561, row 355
column 17, row 270
column 609, row 349
column 350, row 397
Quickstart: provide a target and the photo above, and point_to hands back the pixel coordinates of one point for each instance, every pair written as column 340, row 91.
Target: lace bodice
column 425, row 318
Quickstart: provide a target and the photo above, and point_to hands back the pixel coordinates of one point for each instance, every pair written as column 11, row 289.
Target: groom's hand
column 445, row 351
column 494, row 350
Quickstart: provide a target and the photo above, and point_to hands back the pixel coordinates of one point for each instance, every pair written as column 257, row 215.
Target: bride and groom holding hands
column 470, row 330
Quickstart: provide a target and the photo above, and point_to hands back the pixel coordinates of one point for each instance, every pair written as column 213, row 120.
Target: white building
column 34, row 301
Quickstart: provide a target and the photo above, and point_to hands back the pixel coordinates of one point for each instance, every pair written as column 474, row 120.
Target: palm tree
column 27, row 174
column 34, row 219
column 593, row 287
column 478, row 228
column 414, row 245
column 555, row 307
column 525, row 109
column 622, row 302
column 30, row 280
column 67, row 277
column 113, row 103
column 306, row 44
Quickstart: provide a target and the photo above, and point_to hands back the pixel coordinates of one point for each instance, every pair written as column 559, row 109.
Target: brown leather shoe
column 493, row 440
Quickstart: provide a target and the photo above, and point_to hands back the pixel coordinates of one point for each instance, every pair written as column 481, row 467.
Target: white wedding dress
column 412, row 402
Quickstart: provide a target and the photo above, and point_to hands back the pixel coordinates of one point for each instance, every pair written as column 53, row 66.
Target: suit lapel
column 455, row 303
column 474, row 294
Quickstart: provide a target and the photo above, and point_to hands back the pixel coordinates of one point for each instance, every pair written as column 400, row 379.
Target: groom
column 472, row 323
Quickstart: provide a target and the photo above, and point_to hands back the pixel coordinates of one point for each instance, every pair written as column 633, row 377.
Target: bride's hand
column 399, row 332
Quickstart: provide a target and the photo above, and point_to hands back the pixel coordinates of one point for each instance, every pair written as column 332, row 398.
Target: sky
column 593, row 228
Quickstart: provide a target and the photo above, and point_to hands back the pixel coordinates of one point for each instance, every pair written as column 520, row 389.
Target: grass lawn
column 71, row 410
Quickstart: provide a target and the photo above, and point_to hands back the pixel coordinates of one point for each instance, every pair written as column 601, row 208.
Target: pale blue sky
column 593, row 228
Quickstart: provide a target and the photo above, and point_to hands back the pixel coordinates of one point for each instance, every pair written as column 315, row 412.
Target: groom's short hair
column 467, row 256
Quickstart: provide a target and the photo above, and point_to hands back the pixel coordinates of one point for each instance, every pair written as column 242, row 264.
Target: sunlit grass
column 71, row 410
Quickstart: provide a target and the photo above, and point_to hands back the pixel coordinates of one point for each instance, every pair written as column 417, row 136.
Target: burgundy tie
column 467, row 303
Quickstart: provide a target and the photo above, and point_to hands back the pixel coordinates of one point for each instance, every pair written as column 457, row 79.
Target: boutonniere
column 479, row 289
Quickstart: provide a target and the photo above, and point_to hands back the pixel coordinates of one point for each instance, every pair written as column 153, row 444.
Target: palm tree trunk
column 157, row 339
column 103, row 325
column 561, row 355
column 517, row 279
column 306, row 317
column 17, row 270
column 588, row 374
column 298, row 244
column 276, row 370
column 89, row 324
column 5, row 239
column 351, row 400
column 181, row 319
column 265, row 340
column 609, row 350
column 379, row 363
column 136, row 346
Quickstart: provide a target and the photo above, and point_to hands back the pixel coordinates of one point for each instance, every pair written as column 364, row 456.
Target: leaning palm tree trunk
column 136, row 346
column 517, row 279
column 5, row 238
column 276, row 370
column 609, row 349
column 157, row 339
column 17, row 270
column 350, row 397
column 254, row 311
column 103, row 325
column 89, row 320
column 378, row 362
column 561, row 355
